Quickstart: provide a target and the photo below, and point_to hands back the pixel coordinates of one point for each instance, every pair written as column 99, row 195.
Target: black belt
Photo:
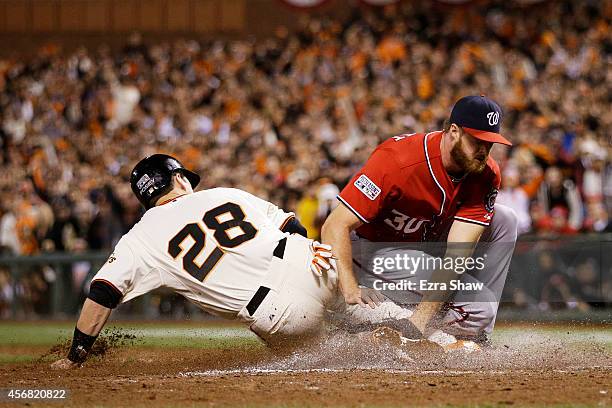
column 262, row 292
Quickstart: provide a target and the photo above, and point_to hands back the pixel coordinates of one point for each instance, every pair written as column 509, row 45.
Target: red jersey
column 403, row 192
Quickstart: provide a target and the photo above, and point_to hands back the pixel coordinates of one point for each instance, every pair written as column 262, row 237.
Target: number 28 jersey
column 214, row 247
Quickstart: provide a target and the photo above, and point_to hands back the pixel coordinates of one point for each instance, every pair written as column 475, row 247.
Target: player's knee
column 472, row 319
column 506, row 221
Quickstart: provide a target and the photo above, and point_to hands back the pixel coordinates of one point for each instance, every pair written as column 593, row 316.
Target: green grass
column 147, row 335
column 150, row 335
column 572, row 336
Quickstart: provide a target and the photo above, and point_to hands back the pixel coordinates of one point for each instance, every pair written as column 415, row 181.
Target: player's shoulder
column 126, row 244
column 399, row 143
column 406, row 149
column 223, row 191
column 219, row 194
column 215, row 191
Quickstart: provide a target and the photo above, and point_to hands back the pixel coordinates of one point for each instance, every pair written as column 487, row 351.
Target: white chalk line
column 260, row 371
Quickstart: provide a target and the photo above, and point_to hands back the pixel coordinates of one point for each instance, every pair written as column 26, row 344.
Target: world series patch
column 367, row 187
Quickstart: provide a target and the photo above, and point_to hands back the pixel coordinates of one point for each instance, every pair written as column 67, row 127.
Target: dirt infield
column 343, row 372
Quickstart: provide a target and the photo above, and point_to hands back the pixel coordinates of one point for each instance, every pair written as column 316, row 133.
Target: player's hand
column 372, row 297
column 363, row 297
column 64, row 364
column 321, row 260
column 353, row 297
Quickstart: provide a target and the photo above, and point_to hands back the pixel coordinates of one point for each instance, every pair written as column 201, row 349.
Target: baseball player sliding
column 440, row 186
column 229, row 252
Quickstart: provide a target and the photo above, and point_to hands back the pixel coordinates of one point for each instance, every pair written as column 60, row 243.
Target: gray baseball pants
column 470, row 313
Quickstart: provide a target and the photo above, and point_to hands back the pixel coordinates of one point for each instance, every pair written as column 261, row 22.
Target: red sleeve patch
column 366, row 191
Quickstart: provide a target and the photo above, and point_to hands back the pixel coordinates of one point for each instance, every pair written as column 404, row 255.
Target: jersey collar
column 170, row 200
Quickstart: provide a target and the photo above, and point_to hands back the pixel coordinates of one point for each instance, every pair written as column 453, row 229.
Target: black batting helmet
column 152, row 177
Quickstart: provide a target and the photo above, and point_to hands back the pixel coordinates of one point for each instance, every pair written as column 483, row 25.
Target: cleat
column 465, row 346
column 391, row 337
column 450, row 344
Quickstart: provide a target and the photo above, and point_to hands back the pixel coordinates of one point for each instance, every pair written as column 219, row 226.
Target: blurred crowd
column 290, row 118
column 560, row 275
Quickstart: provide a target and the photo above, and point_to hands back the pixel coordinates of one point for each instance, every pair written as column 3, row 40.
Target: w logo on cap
column 493, row 118
column 480, row 117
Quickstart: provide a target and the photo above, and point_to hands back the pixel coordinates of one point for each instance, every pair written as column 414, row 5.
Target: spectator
column 274, row 116
column 515, row 197
column 586, row 283
column 326, row 198
column 6, row 293
column 597, row 218
column 593, row 160
column 290, row 118
column 560, row 194
column 8, row 231
column 306, row 211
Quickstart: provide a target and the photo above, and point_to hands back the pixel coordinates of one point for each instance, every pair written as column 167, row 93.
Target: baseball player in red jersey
column 439, row 186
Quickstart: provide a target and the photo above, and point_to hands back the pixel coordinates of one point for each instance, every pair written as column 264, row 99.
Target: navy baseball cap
column 480, row 117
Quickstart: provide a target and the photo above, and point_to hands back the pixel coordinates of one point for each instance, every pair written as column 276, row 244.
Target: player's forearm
column 433, row 300
column 462, row 239
column 339, row 239
column 91, row 321
column 424, row 312
column 93, row 317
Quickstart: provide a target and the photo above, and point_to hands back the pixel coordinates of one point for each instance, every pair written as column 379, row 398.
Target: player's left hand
column 64, row 364
column 372, row 297
column 321, row 261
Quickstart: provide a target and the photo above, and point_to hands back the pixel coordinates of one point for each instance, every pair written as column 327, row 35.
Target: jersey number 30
column 222, row 219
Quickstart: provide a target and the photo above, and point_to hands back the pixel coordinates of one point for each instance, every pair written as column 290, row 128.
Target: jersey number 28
column 226, row 220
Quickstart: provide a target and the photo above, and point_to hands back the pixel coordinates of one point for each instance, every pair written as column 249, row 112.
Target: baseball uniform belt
column 262, row 292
